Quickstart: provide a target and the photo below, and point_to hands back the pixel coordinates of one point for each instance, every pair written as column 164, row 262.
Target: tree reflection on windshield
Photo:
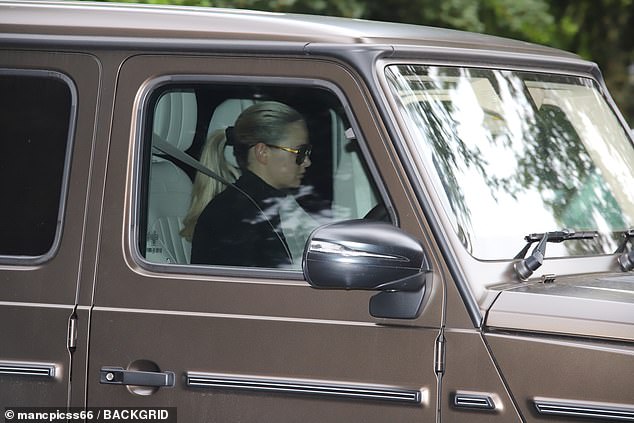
column 509, row 158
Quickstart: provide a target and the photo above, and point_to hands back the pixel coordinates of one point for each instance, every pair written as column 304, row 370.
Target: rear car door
column 46, row 130
column 239, row 343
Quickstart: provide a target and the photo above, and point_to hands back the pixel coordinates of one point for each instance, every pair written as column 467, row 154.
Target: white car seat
column 170, row 187
column 353, row 195
column 225, row 115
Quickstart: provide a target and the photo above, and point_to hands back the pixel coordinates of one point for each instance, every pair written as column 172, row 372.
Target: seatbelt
column 167, row 148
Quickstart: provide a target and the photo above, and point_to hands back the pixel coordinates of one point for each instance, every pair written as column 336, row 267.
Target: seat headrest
column 175, row 118
column 227, row 112
column 225, row 115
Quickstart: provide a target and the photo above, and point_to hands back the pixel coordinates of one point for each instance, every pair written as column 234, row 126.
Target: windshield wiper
column 626, row 259
column 526, row 266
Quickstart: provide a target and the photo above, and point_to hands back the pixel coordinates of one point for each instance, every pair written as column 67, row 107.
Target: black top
column 233, row 231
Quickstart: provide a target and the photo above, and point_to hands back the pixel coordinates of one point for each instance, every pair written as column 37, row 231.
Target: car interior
column 337, row 186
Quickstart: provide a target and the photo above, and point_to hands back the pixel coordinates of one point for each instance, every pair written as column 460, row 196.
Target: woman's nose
column 306, row 162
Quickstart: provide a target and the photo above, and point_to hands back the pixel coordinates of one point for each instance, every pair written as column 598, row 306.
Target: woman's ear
column 261, row 153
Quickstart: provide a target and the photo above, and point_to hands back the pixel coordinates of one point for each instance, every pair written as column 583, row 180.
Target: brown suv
column 455, row 246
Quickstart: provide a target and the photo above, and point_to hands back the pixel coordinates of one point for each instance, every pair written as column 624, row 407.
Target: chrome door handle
column 120, row 376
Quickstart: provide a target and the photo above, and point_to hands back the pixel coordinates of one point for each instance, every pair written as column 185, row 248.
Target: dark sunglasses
column 301, row 152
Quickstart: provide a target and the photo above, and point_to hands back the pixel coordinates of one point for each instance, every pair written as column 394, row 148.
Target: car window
column 36, row 109
column 515, row 153
column 240, row 175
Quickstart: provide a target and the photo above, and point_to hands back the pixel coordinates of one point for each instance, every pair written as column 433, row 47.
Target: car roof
column 175, row 22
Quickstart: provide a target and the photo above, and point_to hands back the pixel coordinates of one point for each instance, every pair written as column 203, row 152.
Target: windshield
column 516, row 153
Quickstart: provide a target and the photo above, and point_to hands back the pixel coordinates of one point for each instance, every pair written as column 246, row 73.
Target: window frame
column 140, row 176
column 32, row 260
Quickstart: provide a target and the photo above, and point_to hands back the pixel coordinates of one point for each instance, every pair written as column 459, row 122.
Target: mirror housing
column 369, row 255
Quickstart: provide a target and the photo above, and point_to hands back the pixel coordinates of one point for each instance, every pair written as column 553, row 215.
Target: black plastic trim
column 473, row 401
column 276, row 386
column 582, row 409
column 27, row 369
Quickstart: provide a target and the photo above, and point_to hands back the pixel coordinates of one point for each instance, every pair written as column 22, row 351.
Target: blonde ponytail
column 205, row 188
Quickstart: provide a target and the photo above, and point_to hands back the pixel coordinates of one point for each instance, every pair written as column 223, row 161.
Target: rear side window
column 36, row 110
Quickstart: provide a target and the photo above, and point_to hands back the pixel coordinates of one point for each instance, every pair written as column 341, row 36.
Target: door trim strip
column 589, row 410
column 280, row 386
column 474, row 400
column 15, row 368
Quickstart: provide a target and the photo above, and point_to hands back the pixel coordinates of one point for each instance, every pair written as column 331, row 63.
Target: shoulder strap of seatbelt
column 167, row 148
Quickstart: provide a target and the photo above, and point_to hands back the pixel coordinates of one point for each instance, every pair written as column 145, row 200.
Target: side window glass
column 36, row 109
column 240, row 175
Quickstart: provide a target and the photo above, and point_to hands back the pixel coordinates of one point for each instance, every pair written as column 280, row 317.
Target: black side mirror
column 369, row 255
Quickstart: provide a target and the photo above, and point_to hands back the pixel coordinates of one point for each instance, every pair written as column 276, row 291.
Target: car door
column 46, row 127
column 224, row 343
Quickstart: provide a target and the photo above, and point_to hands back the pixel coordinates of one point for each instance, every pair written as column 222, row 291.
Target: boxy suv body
column 467, row 222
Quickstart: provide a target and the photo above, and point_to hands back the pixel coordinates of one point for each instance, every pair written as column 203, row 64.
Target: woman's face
column 281, row 167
